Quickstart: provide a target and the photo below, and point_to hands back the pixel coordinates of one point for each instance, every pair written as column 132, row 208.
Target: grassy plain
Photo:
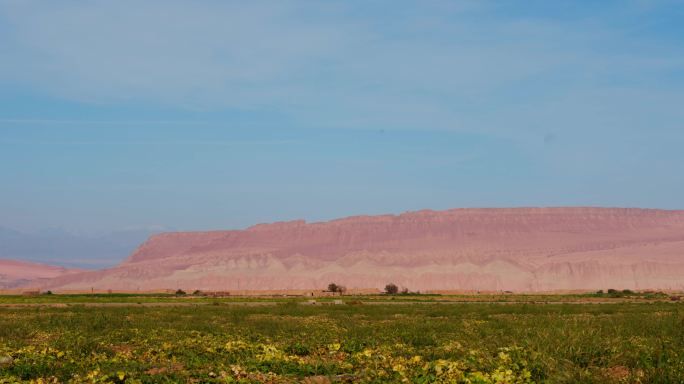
column 562, row 341
column 136, row 298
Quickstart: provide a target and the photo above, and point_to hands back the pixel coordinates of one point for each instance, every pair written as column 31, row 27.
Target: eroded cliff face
column 522, row 249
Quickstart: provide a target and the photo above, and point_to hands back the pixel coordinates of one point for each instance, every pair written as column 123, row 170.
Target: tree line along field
column 199, row 297
column 624, row 342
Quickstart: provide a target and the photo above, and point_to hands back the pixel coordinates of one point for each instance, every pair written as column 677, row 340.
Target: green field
column 288, row 342
column 138, row 298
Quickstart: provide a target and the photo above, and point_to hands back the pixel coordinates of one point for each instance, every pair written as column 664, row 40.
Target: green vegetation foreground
column 290, row 343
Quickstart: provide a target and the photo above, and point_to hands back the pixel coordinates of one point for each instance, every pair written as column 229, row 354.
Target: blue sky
column 191, row 115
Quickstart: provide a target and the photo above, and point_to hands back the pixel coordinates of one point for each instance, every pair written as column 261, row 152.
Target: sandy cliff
column 522, row 249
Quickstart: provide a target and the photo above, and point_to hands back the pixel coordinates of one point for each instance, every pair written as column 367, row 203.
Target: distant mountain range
column 15, row 274
column 56, row 246
column 517, row 249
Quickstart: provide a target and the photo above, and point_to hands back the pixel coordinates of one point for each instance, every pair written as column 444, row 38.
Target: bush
column 625, row 292
column 391, row 289
column 180, row 292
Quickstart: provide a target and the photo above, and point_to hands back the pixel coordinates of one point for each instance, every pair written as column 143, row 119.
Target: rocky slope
column 14, row 274
column 521, row 249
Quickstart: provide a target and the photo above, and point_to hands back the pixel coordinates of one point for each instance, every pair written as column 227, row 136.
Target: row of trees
column 334, row 288
column 390, row 289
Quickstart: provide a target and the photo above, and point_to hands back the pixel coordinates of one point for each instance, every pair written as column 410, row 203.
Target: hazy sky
column 124, row 115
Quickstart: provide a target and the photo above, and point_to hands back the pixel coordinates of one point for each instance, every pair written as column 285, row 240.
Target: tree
column 391, row 289
column 180, row 292
column 332, row 287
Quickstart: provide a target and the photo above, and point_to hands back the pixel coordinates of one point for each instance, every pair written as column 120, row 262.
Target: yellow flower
column 505, row 357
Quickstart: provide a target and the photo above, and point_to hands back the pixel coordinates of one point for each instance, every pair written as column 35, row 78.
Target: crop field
column 137, row 298
column 357, row 342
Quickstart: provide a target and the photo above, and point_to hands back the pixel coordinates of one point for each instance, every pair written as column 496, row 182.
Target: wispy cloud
column 216, row 114
column 469, row 67
column 73, row 122
column 161, row 141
